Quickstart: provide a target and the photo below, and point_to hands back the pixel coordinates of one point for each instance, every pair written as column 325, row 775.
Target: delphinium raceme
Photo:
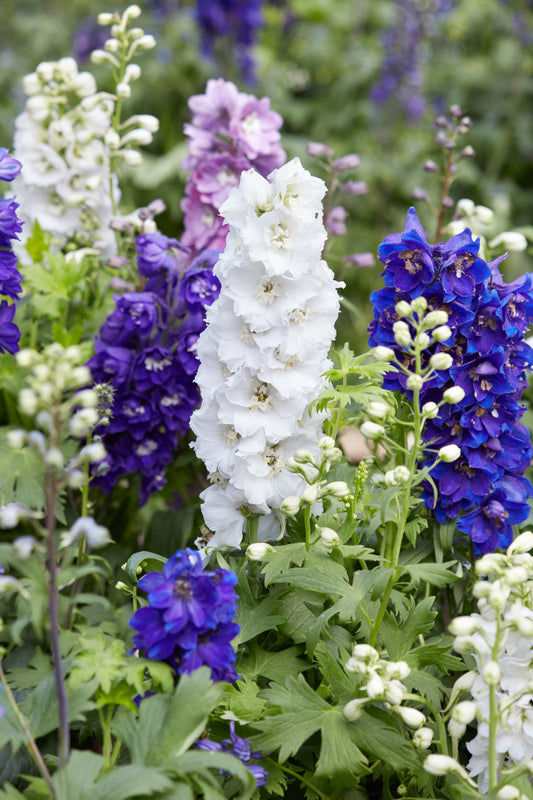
column 263, row 353
column 188, row 620
column 72, row 140
column 499, row 637
column 10, row 277
column 230, row 132
column 476, row 326
column 146, row 350
column 230, row 25
column 401, row 78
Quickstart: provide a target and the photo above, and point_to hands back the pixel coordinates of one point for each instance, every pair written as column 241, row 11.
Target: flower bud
column 422, row 738
column 430, row 410
column 453, row 395
column 291, row 505
column 302, row 456
column 437, row 764
column 16, row 439
column 456, row 729
column 465, row 712
column 383, row 353
column 442, row 333
column 105, row 18
column 310, row 494
column 403, row 308
column 371, row 430
column 441, row 361
column 463, row 626
column 336, row 489
column 508, row 792
column 491, row 673
column 329, row 538
column 402, row 334
column 10, row 515
column 414, row 382
column 377, row 410
column 54, row 458
column 394, row 692
column 375, row 687
column 423, row 340
column 436, row 317
column 123, row 92
column 258, row 550
column 353, row 709
column 27, row 401
column 510, row 240
column 411, row 716
column 397, row 670
column 419, row 304
column 24, row 546
column 449, row 453
column 522, row 544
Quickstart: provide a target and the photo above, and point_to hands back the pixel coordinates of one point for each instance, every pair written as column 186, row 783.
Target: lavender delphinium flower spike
column 10, row 277
column 487, row 319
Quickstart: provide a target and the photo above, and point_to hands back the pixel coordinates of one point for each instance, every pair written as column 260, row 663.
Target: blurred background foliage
column 364, row 76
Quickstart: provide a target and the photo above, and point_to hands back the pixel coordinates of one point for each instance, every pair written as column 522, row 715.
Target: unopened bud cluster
column 382, row 681
column 57, row 398
column 500, row 638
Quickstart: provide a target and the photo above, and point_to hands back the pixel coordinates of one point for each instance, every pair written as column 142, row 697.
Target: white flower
column 371, row 430
column 449, row 453
column 264, row 352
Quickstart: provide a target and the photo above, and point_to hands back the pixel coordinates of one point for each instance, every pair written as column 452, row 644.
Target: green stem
column 30, row 741
column 303, row 781
column 493, row 716
column 445, row 189
column 53, row 608
column 253, row 525
column 307, row 523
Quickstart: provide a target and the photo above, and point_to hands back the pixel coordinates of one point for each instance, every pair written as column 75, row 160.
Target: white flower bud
column 54, row 458
column 132, row 158
column 291, row 505
column 383, row 353
column 76, row 479
column 419, row 304
column 10, row 515
column 27, row 401
column 375, row 687
column 132, row 12
column 329, row 538
column 87, row 398
column 430, row 410
column 456, row 729
column 26, row 357
column 422, row 738
column 353, row 709
column 123, row 90
column 137, row 137
column 132, row 73
column 366, row 653
column 411, row 716
column 371, row 430
column 101, row 56
column 403, row 308
column 93, row 452
column 394, row 692
column 146, row 121
column 463, row 626
column 465, row 712
column 453, row 395
column 303, row 456
column 397, row 670
column 105, row 18
column 31, row 84
column 423, row 340
column 509, row 793
column 112, row 45
column 146, row 42
column 16, row 439
column 524, row 626
column 522, row 544
column 24, row 546
column 434, row 318
column 378, row 410
column 437, row 764
column 449, row 453
column 442, row 333
column 310, row 494
column 336, row 489
column 491, row 673
column 402, row 334
column 414, row 382
column 441, row 361
column 82, row 422
column 510, row 240
column 258, row 550
column 112, row 139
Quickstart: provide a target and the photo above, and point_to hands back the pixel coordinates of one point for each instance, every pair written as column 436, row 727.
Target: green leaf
column 279, row 561
column 275, row 665
column 398, row 639
column 438, row 575
column 316, row 579
column 143, row 561
column 22, row 474
column 41, row 708
column 243, row 701
column 200, row 761
column 167, row 726
column 130, row 781
column 340, row 758
column 75, row 780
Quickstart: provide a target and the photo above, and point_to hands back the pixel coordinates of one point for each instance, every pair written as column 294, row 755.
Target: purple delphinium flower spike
column 488, row 318
column 10, row 277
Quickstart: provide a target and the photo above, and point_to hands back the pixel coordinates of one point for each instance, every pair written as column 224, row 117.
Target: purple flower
column 188, row 620
column 9, row 166
column 485, row 487
column 237, row 21
column 240, row 748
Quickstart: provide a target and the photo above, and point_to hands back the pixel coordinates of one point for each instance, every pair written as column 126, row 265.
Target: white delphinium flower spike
column 264, row 350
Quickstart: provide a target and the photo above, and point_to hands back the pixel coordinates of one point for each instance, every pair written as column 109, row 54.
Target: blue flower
column 189, row 618
column 239, row 747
